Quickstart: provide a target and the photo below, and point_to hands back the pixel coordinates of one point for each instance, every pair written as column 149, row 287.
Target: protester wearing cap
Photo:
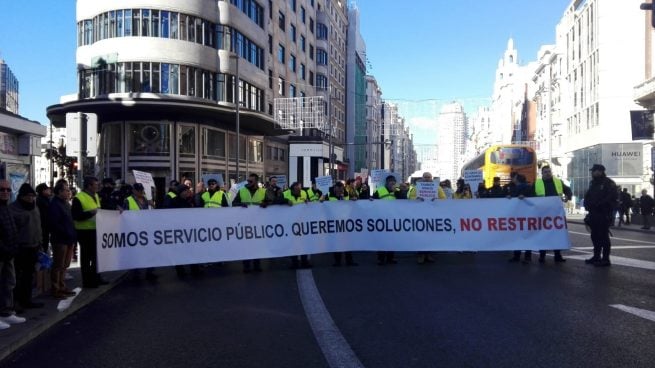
column 28, row 225
column 214, row 197
column 180, row 199
column 44, row 195
column 8, row 249
column 599, row 201
column 170, row 195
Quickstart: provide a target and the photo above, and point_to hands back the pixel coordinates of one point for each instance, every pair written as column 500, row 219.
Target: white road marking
column 620, row 261
column 643, row 313
column 335, row 348
column 632, row 240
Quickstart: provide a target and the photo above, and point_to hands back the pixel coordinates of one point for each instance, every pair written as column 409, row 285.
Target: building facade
column 8, row 89
column 356, row 126
column 451, row 141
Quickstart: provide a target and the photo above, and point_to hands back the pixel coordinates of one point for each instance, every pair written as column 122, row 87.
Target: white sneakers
column 4, row 326
column 12, row 319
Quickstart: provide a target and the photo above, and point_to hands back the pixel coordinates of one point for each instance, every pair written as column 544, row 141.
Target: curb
column 626, row 228
column 52, row 318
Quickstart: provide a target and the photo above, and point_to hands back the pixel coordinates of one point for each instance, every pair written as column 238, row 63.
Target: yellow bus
column 503, row 159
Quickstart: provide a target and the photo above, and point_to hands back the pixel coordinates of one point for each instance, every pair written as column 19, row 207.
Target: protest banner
column 473, row 178
column 146, row 179
column 377, row 179
column 234, row 189
column 141, row 239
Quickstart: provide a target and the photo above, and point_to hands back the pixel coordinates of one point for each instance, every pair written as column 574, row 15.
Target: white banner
column 139, row 239
column 146, row 179
column 426, row 190
column 323, row 183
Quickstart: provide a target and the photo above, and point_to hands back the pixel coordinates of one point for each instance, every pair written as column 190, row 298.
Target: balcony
column 644, row 93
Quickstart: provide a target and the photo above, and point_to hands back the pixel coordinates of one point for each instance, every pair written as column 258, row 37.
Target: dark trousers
column 600, row 237
column 304, row 261
column 88, row 258
column 349, row 257
column 646, row 220
column 528, row 254
column 256, row 263
column 386, row 257
column 24, row 263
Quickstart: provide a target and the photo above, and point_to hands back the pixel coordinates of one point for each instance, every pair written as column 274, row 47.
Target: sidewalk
column 41, row 319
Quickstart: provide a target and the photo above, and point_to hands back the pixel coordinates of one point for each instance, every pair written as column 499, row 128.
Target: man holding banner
column 296, row 195
column 250, row 195
column 426, row 188
column 214, row 197
column 387, row 192
column 338, row 193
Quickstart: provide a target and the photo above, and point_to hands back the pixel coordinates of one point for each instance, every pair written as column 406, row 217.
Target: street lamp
column 237, row 99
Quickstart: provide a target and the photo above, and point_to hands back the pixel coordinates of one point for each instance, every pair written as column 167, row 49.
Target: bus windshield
column 515, row 156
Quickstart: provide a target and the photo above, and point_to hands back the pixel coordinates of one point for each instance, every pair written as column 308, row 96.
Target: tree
column 66, row 165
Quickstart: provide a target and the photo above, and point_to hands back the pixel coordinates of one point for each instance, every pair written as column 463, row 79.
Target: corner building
column 160, row 75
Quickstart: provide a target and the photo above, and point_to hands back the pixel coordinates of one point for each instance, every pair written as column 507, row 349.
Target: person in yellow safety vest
column 313, row 193
column 549, row 186
column 338, row 193
column 387, row 192
column 214, row 197
column 135, row 202
column 424, row 257
column 84, row 208
column 463, row 190
column 251, row 195
column 296, row 195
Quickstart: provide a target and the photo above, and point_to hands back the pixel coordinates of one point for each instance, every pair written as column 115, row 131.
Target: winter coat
column 28, row 224
column 60, row 223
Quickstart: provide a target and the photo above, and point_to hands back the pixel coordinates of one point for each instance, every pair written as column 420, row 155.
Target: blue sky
column 420, row 50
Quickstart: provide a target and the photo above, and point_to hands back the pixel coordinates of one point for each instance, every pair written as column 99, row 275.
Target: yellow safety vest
column 540, row 187
column 290, row 197
column 345, row 198
column 247, row 198
column 313, row 197
column 171, row 194
column 132, row 205
column 383, row 193
column 88, row 204
column 214, row 201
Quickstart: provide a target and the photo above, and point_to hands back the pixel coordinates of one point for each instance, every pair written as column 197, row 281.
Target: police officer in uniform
column 599, row 201
column 251, row 195
column 549, row 186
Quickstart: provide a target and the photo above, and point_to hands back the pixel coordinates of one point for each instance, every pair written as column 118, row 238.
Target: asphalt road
column 466, row 310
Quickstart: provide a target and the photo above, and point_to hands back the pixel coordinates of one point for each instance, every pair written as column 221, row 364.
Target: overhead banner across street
column 139, row 239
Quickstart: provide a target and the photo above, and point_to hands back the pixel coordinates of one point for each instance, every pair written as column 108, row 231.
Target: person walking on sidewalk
column 599, row 201
column 85, row 206
column 8, row 249
column 28, row 226
column 549, row 186
column 625, row 200
column 63, row 237
column 646, row 204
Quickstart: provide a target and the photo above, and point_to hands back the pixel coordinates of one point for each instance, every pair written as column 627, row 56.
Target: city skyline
column 44, row 80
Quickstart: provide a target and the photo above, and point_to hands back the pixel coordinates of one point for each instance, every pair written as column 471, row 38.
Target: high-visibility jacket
column 383, row 193
column 345, row 198
column 213, row 200
column 248, row 199
column 171, row 195
column 540, row 187
column 290, row 197
column 312, row 196
column 132, row 205
column 88, row 204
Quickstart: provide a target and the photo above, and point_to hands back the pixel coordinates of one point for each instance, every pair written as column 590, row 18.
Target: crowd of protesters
column 53, row 221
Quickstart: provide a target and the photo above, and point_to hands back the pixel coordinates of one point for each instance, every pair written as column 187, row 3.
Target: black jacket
column 8, row 234
column 601, row 196
column 60, row 223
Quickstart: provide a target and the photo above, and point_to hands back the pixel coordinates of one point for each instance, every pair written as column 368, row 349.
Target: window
column 270, row 44
column 302, row 71
column 321, row 57
column 145, row 22
column 280, row 86
column 292, row 90
column 311, row 51
column 302, row 14
column 214, row 143
column 128, row 22
column 292, row 63
column 292, row 32
column 302, row 43
column 280, row 53
column 281, row 21
column 187, row 140
column 149, row 138
column 321, row 31
column 174, row 26
column 164, row 24
column 293, row 5
column 270, row 79
column 311, row 25
column 155, row 23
